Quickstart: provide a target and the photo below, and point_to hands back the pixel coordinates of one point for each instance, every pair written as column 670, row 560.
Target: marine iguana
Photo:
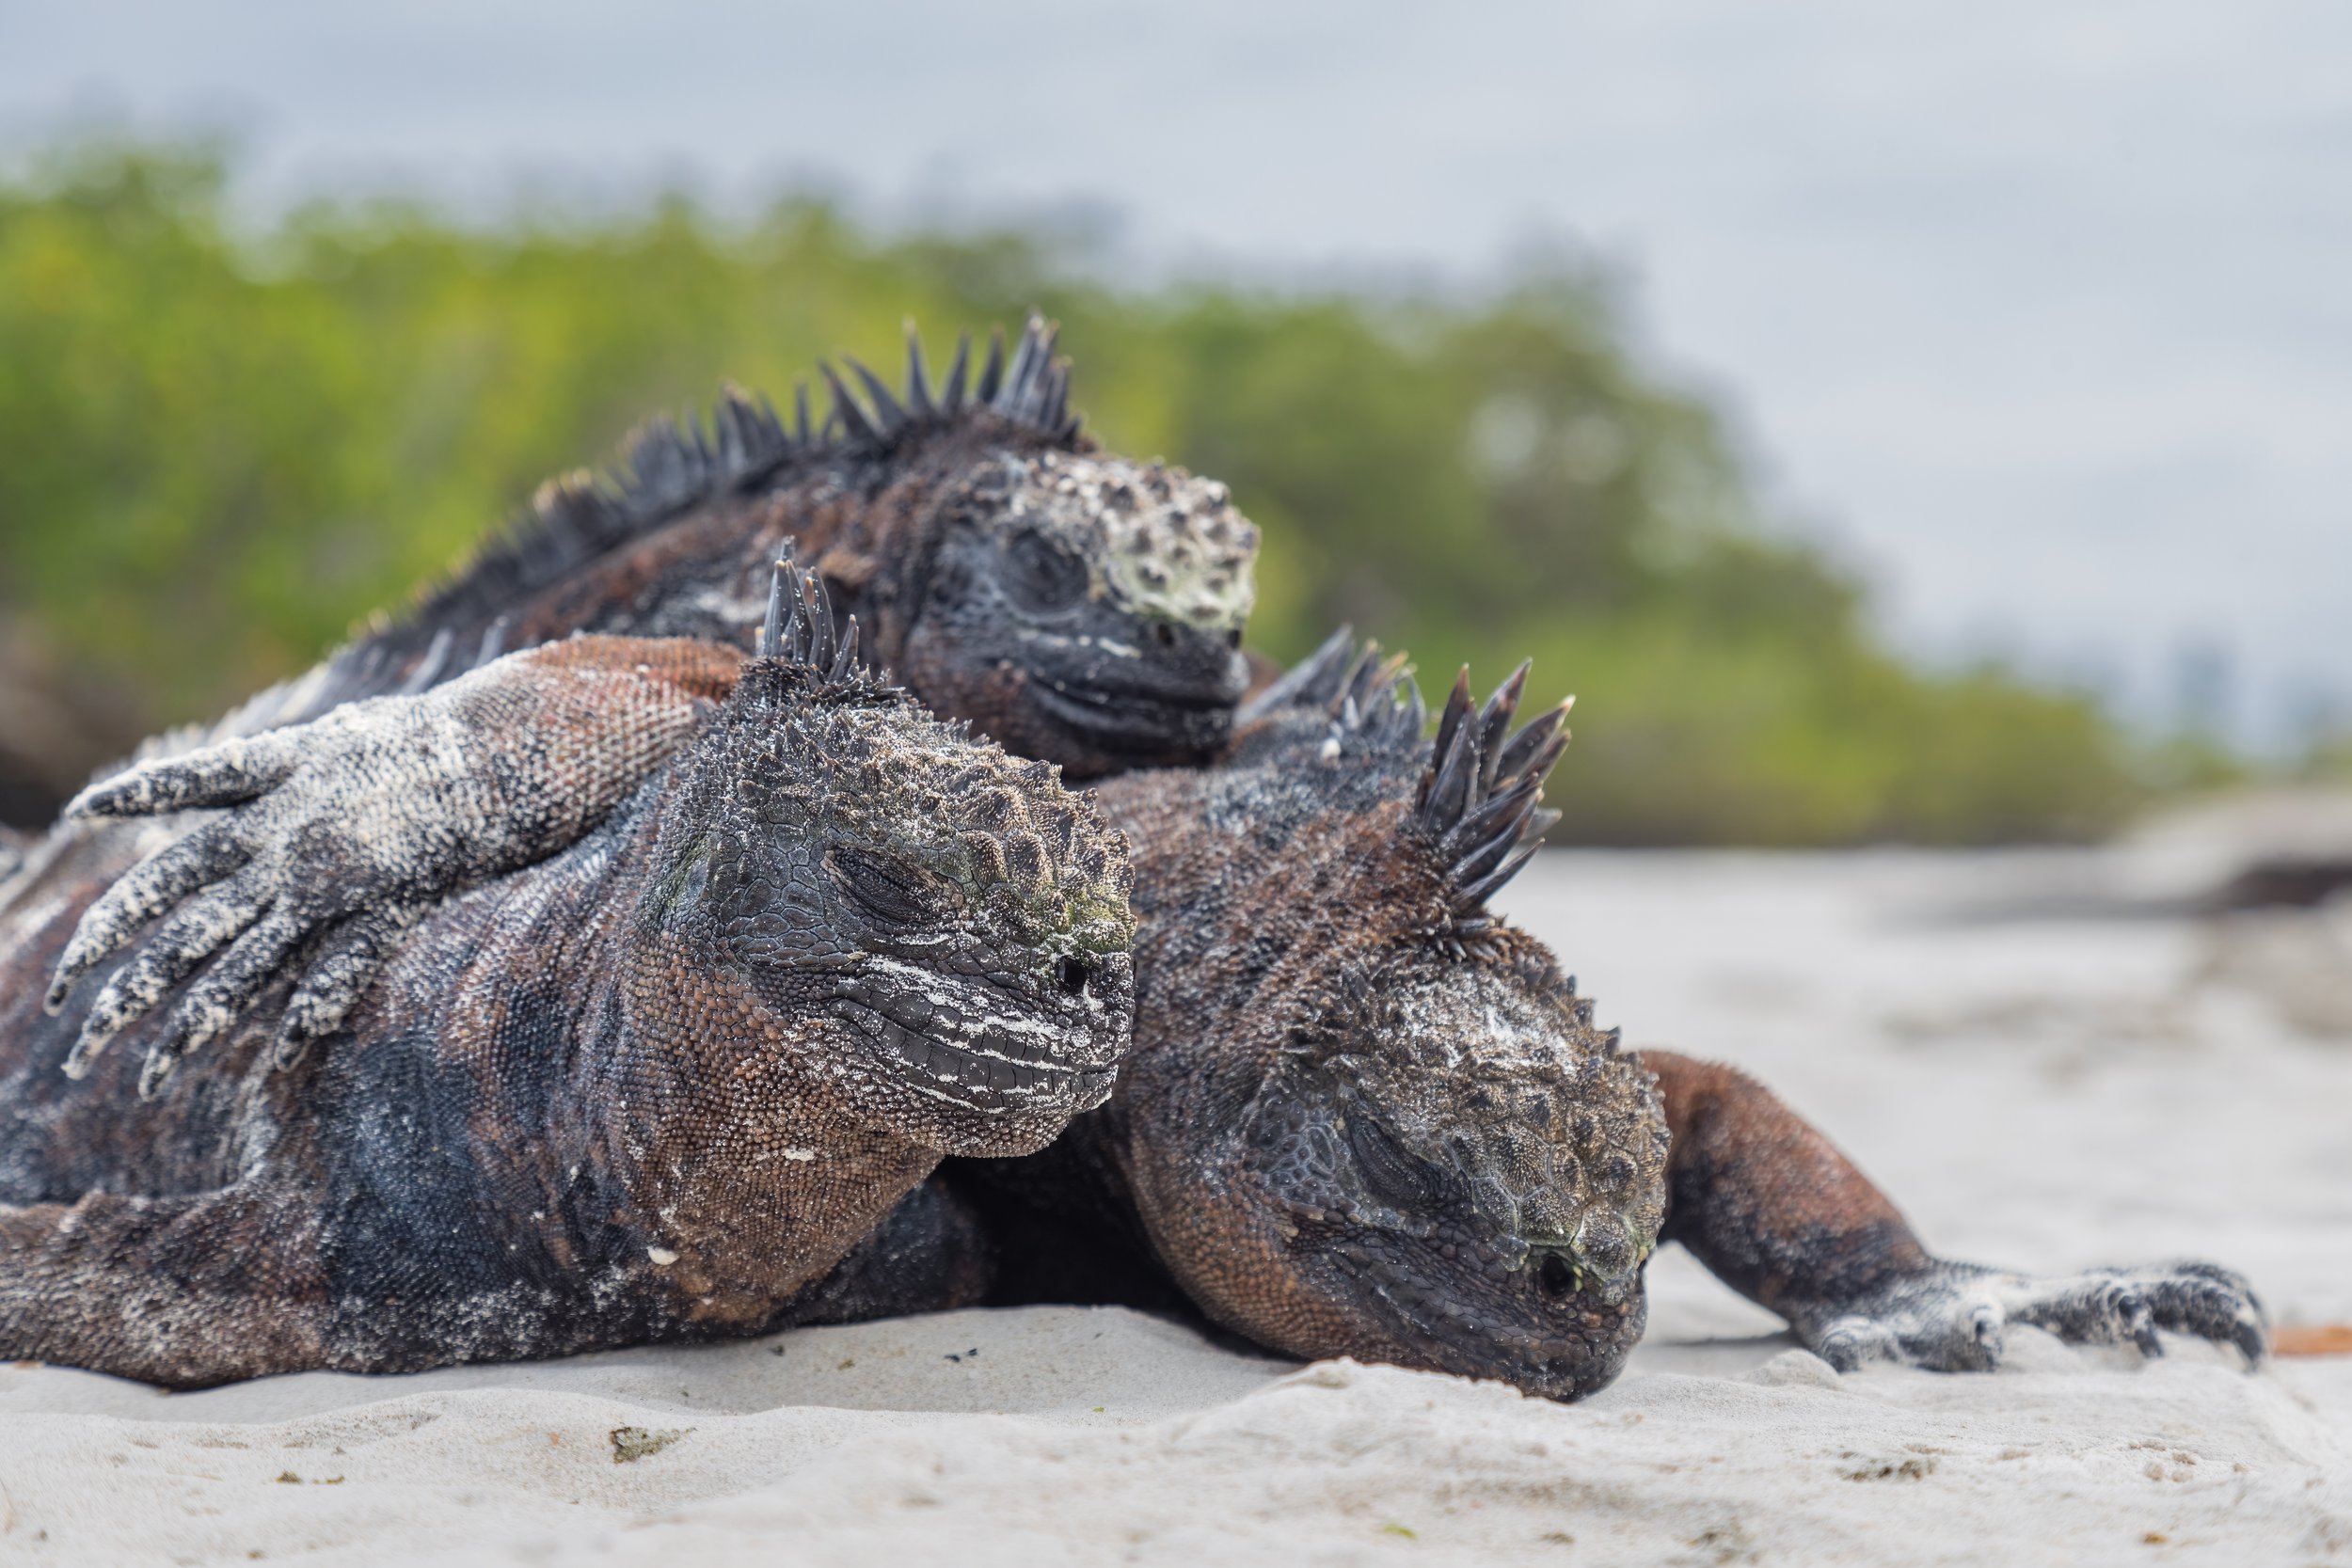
column 1365, row 1116
column 1076, row 606
column 650, row 1089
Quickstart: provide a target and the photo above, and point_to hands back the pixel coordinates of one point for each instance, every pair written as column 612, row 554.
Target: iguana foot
column 339, row 832
column 1954, row 1317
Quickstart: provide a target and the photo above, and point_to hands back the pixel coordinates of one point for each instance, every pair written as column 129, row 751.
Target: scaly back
column 671, row 470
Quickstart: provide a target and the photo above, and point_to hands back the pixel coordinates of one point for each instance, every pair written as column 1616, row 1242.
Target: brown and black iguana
column 649, row 1088
column 1075, row 607
column 1364, row 1116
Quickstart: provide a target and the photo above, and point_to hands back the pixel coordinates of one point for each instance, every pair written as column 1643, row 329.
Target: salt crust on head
column 1489, row 1068
column 1004, row 822
column 1163, row 542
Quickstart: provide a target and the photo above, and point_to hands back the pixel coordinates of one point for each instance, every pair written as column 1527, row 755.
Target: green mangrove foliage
column 219, row 448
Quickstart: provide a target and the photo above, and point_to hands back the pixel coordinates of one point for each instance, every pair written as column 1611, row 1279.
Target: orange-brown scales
column 649, row 1088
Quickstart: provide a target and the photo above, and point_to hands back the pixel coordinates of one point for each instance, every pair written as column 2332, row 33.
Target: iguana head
column 1430, row 1157
column 1075, row 605
column 934, row 927
column 1460, row 1174
column 1091, row 607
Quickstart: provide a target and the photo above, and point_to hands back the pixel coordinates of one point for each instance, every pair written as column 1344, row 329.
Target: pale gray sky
column 2039, row 307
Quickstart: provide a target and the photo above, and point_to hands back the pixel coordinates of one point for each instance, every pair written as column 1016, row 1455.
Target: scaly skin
column 1075, row 607
column 1363, row 1118
column 654, row 1087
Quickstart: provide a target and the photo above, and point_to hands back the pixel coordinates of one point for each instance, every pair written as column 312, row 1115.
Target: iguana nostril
column 1072, row 976
column 1164, row 634
column 1604, row 1246
column 1555, row 1277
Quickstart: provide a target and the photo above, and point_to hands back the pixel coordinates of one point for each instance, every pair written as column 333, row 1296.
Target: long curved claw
column 145, row 892
column 347, row 826
column 2209, row 1302
column 2127, row 1306
column 182, row 942
column 214, row 1002
column 338, row 976
column 226, row 774
column 1954, row 1317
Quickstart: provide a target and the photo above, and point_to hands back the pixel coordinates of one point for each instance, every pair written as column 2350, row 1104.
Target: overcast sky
column 2040, row 309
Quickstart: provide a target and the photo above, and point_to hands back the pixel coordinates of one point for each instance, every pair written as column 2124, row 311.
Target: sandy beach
column 2044, row 1091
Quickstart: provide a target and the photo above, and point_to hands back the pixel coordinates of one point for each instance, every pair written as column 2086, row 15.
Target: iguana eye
column 1042, row 575
column 1395, row 1176
column 888, row 892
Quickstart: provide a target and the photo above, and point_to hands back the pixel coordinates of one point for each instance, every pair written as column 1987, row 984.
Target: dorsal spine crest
column 1478, row 804
column 670, row 466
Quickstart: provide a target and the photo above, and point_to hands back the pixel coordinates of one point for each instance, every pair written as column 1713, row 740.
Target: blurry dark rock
column 2289, row 884
column 2279, row 848
column 2298, row 959
column 57, row 726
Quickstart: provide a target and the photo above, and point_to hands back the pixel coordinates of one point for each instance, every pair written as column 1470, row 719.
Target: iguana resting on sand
column 1075, row 607
column 1363, row 1116
column 1366, row 1117
column 650, row 1089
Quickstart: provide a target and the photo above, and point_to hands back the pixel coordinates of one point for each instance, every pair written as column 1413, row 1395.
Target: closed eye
column 1400, row 1179
column 896, row 895
column 1042, row 574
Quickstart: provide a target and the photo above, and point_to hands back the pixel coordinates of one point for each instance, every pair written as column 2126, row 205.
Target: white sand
column 2044, row 1094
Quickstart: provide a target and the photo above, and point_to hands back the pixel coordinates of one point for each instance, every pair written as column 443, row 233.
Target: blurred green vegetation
column 219, row 448
column 2327, row 759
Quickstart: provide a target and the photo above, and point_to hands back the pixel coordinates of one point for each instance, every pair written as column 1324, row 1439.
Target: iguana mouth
column 1582, row 1352
column 993, row 1072
column 1148, row 720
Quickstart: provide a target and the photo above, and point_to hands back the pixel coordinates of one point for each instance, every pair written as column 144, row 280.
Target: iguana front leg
column 343, row 831
column 1780, row 1215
